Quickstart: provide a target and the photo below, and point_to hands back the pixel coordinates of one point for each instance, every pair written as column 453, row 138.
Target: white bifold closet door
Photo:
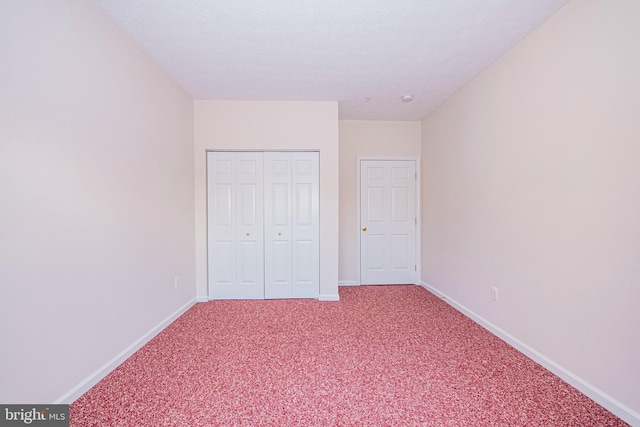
column 263, row 224
column 291, row 224
column 235, row 225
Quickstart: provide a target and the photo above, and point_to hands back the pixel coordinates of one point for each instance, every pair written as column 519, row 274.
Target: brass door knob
column 248, row 234
column 364, row 228
column 279, row 234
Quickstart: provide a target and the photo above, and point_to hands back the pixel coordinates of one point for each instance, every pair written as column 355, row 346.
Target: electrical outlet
column 494, row 293
column 176, row 282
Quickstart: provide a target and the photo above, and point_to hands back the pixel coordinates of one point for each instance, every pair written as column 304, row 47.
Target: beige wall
column 96, row 188
column 272, row 125
column 531, row 184
column 366, row 138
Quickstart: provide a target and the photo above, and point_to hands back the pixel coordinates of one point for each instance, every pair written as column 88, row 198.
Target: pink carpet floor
column 382, row 356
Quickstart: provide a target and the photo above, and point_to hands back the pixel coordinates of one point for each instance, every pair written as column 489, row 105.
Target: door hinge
column 415, row 268
column 416, row 175
column 415, row 220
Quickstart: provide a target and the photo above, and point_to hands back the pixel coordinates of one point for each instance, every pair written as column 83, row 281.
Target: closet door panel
column 280, row 265
column 235, row 229
column 277, row 220
column 305, row 224
column 221, row 224
column 249, row 227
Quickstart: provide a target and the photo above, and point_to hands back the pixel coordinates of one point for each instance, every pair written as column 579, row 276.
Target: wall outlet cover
column 494, row 293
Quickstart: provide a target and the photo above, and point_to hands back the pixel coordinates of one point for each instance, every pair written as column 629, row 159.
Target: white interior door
column 388, row 222
column 235, row 225
column 291, row 224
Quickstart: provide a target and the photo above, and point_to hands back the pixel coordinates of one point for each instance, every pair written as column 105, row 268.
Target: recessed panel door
column 388, row 222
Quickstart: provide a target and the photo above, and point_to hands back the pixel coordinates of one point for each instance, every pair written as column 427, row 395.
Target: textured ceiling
column 328, row 50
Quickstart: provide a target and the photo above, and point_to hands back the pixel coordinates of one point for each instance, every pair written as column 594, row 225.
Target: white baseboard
column 329, row 297
column 202, row 299
column 103, row 371
column 348, row 283
column 620, row 410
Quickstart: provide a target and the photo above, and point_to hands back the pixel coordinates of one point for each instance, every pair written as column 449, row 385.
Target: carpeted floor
column 382, row 356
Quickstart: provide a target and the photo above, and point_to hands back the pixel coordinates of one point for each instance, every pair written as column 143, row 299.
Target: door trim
column 360, row 159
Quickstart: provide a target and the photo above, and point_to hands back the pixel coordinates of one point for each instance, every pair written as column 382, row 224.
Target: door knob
column 248, row 234
column 279, row 234
column 364, row 228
